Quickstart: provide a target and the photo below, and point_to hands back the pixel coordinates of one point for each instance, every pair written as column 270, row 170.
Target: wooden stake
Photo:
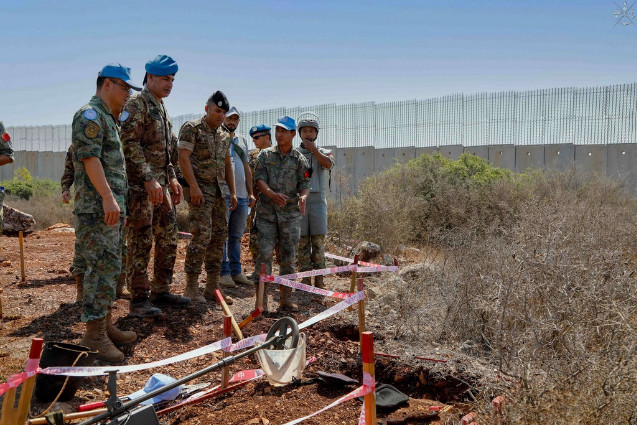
column 227, row 331
column 22, row 256
column 18, row 415
column 226, row 310
column 260, row 292
column 352, row 284
column 367, row 348
column 361, row 309
column 256, row 313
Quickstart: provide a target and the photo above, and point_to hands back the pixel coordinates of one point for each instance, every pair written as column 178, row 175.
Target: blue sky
column 289, row 53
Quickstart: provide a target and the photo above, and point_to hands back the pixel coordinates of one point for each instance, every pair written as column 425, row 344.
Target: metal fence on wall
column 581, row 116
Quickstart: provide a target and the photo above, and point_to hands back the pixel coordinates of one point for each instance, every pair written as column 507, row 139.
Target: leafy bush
column 411, row 203
column 24, row 186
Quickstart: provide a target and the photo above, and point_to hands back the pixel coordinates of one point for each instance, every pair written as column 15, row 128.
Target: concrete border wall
column 617, row 161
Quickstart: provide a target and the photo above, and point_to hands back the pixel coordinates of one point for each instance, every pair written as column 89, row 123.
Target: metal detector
column 130, row 413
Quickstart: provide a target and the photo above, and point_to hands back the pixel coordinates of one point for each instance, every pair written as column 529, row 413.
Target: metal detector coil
column 283, row 360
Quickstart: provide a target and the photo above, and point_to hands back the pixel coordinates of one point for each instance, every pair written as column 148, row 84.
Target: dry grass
column 47, row 209
column 538, row 280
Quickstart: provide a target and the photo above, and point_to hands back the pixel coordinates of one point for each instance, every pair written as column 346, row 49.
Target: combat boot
column 212, row 284
column 121, row 291
column 307, row 281
column 240, row 278
column 192, row 288
column 116, row 335
column 96, row 339
column 79, row 284
column 285, row 303
column 168, row 299
column 227, row 282
column 141, row 307
column 318, row 282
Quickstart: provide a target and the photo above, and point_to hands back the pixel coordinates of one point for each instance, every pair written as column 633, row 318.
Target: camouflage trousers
column 77, row 267
column 252, row 229
column 145, row 223
column 287, row 235
column 100, row 250
column 311, row 254
column 209, row 228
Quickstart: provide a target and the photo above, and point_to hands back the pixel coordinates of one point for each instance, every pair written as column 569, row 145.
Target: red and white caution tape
column 334, row 309
column 245, row 343
column 320, row 272
column 377, row 269
column 14, row 381
column 350, row 260
column 104, row 370
column 368, row 387
column 306, row 288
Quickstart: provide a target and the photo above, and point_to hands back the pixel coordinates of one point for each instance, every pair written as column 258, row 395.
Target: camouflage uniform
column 5, row 149
column 311, row 254
column 95, row 134
column 207, row 221
column 69, row 171
column 286, row 174
column 252, row 161
column 77, row 268
column 149, row 143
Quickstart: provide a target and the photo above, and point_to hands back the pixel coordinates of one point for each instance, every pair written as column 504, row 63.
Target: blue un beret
column 261, row 128
column 162, row 65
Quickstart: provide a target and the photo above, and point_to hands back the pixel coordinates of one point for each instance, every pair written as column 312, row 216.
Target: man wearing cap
column 283, row 179
column 262, row 139
column 204, row 158
column 231, row 259
column 148, row 139
column 6, row 157
column 311, row 254
column 100, row 207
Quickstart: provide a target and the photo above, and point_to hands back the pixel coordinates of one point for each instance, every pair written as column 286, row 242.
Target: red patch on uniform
column 306, row 174
column 6, row 137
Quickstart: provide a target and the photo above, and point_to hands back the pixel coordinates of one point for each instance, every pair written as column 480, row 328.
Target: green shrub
column 24, row 186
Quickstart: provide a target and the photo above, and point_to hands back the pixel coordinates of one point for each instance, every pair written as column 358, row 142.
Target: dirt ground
column 43, row 307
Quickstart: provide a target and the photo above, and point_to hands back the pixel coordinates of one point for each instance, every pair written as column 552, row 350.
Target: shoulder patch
column 90, row 114
column 6, row 137
column 124, row 116
column 91, row 130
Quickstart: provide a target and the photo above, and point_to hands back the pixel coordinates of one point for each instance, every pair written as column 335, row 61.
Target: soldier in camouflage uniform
column 100, row 207
column 6, row 157
column 204, row 158
column 314, row 223
column 262, row 139
column 282, row 177
column 77, row 268
column 148, row 146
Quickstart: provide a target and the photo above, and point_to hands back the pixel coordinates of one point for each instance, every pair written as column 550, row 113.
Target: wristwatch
column 148, row 177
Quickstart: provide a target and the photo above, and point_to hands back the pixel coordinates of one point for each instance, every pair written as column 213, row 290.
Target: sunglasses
column 255, row 137
column 125, row 87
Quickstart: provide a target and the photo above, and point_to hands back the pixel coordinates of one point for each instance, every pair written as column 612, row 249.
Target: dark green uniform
column 286, row 174
column 95, row 134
